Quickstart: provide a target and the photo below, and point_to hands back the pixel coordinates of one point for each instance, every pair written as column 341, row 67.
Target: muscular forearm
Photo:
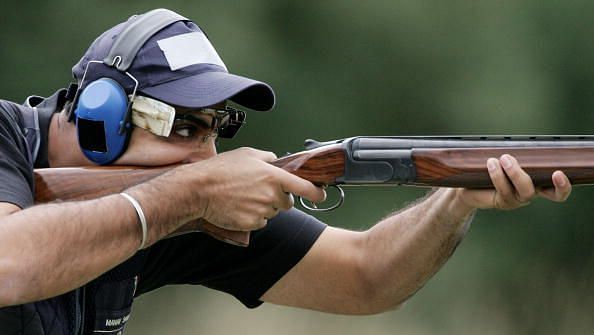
column 50, row 249
column 406, row 249
column 369, row 272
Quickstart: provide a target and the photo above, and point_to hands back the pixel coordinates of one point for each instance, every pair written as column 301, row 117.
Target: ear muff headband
column 136, row 33
column 102, row 110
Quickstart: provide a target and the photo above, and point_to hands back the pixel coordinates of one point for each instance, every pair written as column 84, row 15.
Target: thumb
column 261, row 155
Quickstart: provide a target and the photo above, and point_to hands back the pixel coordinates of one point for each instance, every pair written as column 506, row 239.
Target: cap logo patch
column 189, row 49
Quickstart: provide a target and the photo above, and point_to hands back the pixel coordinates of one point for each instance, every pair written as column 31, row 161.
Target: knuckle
column 272, row 214
column 260, row 154
column 561, row 197
column 268, row 173
column 503, row 203
column 269, row 197
column 568, row 191
column 531, row 194
column 526, row 195
column 287, row 205
column 522, row 199
column 262, row 212
column 269, row 179
column 262, row 224
column 505, row 192
column 287, row 201
column 253, row 223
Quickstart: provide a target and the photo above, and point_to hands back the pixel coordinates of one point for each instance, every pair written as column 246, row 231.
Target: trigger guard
column 314, row 207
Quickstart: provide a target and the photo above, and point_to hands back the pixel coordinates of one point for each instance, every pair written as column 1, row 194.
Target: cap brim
column 208, row 88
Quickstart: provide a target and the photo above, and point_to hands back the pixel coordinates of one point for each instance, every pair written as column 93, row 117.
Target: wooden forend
column 467, row 167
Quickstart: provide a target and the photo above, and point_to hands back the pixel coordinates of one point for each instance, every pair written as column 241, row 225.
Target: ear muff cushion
column 101, row 110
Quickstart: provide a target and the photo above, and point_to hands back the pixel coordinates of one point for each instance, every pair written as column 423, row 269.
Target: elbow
column 380, row 289
column 377, row 297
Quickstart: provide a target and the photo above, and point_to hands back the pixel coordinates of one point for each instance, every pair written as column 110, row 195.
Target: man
column 75, row 267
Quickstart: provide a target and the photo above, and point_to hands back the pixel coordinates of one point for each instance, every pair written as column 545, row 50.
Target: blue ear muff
column 102, row 121
column 102, row 109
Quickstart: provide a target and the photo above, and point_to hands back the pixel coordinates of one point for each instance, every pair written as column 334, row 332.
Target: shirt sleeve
column 16, row 172
column 244, row 272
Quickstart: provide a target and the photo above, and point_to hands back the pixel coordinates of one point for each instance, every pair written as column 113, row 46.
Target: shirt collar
column 46, row 108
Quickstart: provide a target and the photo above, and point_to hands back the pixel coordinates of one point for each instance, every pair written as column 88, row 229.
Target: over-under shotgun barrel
column 450, row 161
column 424, row 161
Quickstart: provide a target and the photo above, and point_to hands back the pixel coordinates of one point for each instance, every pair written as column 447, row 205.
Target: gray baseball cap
column 177, row 65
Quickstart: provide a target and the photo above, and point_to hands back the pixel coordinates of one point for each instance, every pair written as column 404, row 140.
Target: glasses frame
column 225, row 122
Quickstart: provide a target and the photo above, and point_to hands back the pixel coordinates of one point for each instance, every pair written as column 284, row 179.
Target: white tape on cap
column 189, row 49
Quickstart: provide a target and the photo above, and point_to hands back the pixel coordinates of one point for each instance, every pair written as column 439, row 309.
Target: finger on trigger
column 291, row 183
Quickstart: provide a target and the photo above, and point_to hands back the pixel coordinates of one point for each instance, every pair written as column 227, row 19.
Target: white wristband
column 141, row 217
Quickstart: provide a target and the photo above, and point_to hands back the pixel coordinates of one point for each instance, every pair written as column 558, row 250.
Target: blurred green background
column 344, row 68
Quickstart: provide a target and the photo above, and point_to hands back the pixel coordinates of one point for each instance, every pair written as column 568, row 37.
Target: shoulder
column 12, row 136
column 16, row 168
column 10, row 111
column 11, row 115
column 11, row 122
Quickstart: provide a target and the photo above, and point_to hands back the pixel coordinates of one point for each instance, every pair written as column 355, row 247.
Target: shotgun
column 445, row 161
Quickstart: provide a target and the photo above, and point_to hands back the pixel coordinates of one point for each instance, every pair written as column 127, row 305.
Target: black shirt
column 105, row 304
column 16, row 168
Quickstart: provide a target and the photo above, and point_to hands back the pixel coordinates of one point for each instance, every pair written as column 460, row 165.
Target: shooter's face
column 191, row 140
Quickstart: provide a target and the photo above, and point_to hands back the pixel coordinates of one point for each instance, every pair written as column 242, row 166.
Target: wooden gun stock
column 66, row 184
column 83, row 183
column 355, row 163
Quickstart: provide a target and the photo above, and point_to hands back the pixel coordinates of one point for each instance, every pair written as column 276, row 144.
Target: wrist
column 456, row 203
column 453, row 212
column 194, row 192
column 168, row 201
column 141, row 218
